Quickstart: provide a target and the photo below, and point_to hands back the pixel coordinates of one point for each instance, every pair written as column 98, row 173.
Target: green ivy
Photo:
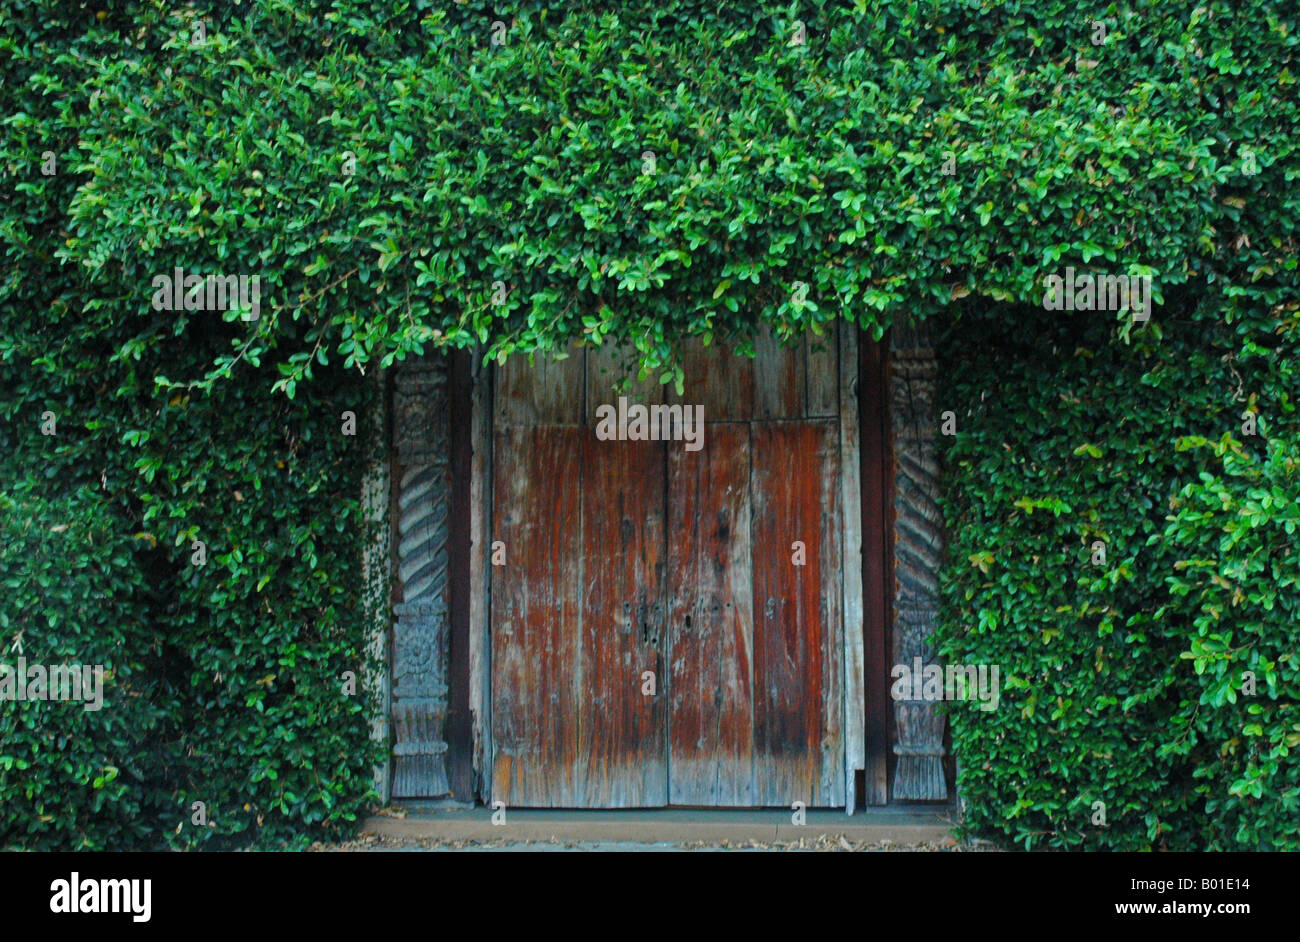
column 1122, row 672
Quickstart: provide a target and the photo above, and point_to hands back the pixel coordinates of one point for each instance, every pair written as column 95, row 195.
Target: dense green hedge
column 224, row 682
column 380, row 165
column 1123, row 676
column 75, row 594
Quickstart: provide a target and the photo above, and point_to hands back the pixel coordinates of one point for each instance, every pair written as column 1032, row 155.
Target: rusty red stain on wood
column 796, row 622
column 622, row 730
column 535, row 614
column 710, row 683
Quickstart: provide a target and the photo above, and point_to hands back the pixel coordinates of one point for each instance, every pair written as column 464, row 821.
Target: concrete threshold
column 671, row 825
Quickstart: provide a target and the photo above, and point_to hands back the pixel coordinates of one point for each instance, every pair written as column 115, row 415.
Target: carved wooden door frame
column 440, row 681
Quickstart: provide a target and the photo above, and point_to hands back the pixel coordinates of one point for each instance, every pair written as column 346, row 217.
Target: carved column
column 419, row 690
column 918, row 774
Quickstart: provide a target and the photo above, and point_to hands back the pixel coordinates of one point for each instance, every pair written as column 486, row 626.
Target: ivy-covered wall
column 1122, row 542
column 404, row 176
column 223, row 665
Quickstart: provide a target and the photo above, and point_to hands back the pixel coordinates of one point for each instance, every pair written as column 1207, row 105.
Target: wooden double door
column 667, row 624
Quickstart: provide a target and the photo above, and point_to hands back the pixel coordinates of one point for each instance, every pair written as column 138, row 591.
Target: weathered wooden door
column 667, row 624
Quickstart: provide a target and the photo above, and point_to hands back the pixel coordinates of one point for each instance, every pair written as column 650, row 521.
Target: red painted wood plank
column 795, row 484
column 623, row 734
column 535, row 617
column 711, row 622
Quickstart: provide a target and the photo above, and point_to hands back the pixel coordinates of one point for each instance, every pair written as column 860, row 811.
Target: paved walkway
column 433, row 827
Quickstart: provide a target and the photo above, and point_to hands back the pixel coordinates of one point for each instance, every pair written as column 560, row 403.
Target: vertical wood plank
column 541, row 394
column 718, row 379
column 607, row 365
column 779, row 377
column 854, row 638
column 537, row 666
column 830, row 596
column 796, row 625
column 822, row 380
column 711, row 622
column 480, row 634
column 623, row 632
